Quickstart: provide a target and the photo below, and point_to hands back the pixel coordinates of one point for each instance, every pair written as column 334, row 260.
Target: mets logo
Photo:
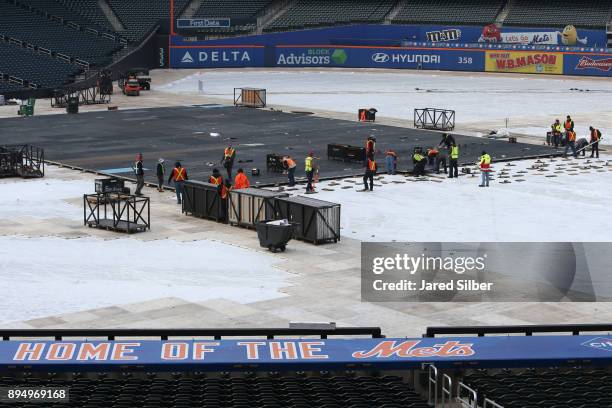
column 600, row 64
column 600, row 343
column 380, row 57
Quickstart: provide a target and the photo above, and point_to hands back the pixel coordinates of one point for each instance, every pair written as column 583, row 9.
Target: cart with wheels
column 274, row 235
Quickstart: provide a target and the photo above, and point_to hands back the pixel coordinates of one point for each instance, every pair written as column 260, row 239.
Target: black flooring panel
column 110, row 140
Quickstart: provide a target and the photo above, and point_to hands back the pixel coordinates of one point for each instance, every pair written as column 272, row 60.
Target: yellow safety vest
column 454, row 152
column 308, row 162
column 417, row 157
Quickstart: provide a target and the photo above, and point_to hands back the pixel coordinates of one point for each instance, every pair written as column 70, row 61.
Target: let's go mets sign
column 215, row 354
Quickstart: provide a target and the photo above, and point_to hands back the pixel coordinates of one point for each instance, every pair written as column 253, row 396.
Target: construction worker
column 419, row 161
column 309, row 172
column 595, row 138
column 447, row 140
column 217, row 180
column 581, row 145
column 437, row 158
column 179, row 175
column 161, row 174
column 229, row 154
column 139, row 172
column 570, row 142
column 370, row 146
column 241, row 180
column 453, row 170
column 391, row 161
column 370, row 171
column 485, row 169
column 556, row 133
column 569, row 124
column 290, row 165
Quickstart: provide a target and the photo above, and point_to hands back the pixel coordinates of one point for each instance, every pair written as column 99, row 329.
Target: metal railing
column 492, row 404
column 527, row 330
column 432, row 379
column 470, row 399
column 447, row 389
column 164, row 334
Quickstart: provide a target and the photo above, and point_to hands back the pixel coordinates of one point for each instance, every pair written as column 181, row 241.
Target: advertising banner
column 401, row 353
column 216, row 57
column 529, row 62
column 380, row 57
column 202, row 23
column 588, row 64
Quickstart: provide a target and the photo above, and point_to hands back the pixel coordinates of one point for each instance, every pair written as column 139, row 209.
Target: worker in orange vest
column 370, row 145
column 570, row 143
column 229, row 154
column 595, row 137
column 370, row 171
column 179, row 175
column 241, row 180
column 290, row 165
column 217, row 180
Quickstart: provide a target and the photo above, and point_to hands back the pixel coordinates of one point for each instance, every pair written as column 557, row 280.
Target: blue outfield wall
column 494, row 351
column 472, row 58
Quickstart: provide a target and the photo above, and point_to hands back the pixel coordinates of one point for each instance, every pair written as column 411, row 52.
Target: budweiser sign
column 601, row 64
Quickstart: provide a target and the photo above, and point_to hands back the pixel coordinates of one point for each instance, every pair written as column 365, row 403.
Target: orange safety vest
column 229, row 152
column 290, row 163
column 369, row 145
column 362, row 116
column 241, row 181
column 594, row 135
column 371, row 164
column 224, row 191
column 432, row 152
column 178, row 174
column 571, row 136
column 568, row 125
column 216, row 180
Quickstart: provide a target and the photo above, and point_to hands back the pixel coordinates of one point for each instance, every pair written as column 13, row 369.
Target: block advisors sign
column 215, row 57
column 530, row 62
column 376, row 57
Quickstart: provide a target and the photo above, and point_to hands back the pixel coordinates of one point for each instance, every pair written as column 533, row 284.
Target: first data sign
column 203, row 22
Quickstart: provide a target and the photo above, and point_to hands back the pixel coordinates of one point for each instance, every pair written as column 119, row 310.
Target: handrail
column 432, row 379
column 467, row 402
column 446, row 391
column 528, row 330
column 164, row 334
column 491, row 403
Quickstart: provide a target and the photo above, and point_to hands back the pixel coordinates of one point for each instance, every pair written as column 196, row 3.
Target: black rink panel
column 110, row 140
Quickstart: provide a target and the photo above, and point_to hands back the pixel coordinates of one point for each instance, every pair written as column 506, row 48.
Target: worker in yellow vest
column 485, row 169
column 454, row 161
column 308, row 167
column 419, row 161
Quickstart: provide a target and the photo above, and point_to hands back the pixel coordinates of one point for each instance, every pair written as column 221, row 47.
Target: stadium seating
column 182, row 389
column 312, row 13
column 552, row 388
column 558, row 13
column 31, row 28
column 231, row 8
column 94, row 19
column 139, row 17
column 42, row 70
column 6, row 87
column 449, row 11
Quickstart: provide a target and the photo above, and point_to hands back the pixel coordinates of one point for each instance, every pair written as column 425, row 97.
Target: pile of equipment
column 25, row 161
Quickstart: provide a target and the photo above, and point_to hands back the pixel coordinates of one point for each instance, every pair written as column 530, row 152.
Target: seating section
column 72, row 11
column 42, row 70
column 186, row 390
column 6, row 87
column 554, row 388
column 230, row 8
column 139, row 17
column 558, row 13
column 313, row 13
column 449, row 11
column 23, row 25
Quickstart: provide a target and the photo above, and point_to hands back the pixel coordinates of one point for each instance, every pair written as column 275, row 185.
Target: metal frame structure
column 25, row 161
column 468, row 401
column 527, row 330
column 258, row 103
column 217, row 334
column 87, row 96
column 434, row 119
column 128, row 213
